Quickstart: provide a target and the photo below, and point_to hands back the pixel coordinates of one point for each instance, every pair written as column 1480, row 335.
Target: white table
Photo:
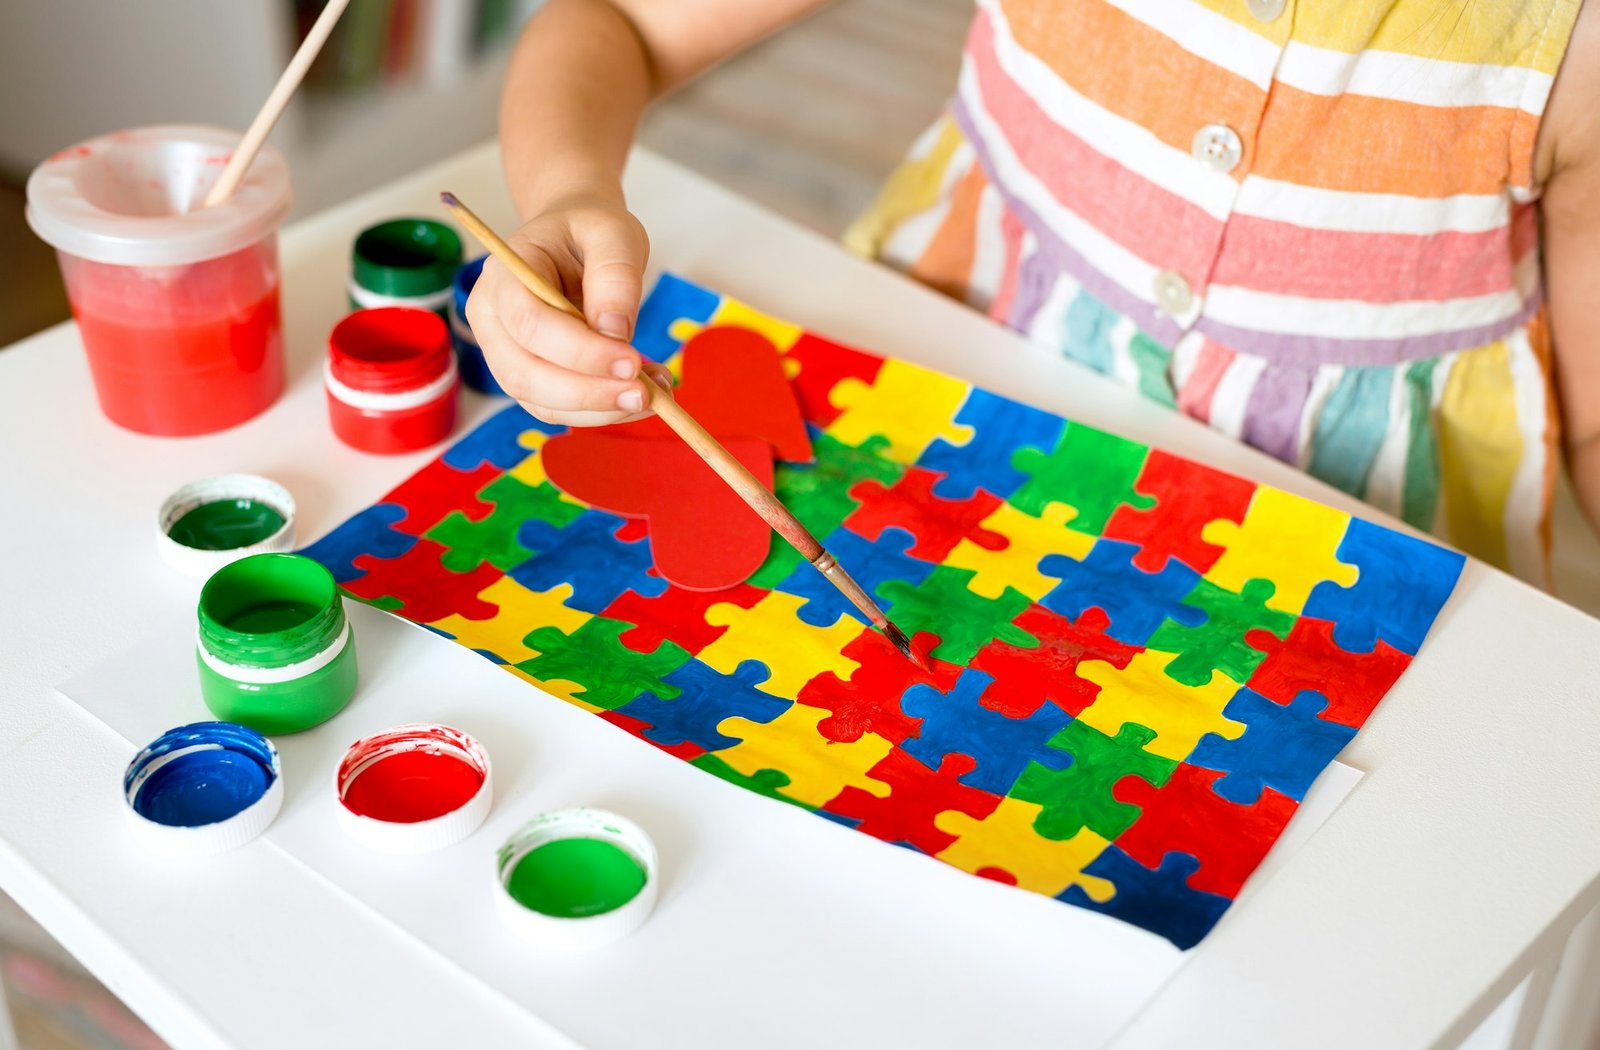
column 1460, row 861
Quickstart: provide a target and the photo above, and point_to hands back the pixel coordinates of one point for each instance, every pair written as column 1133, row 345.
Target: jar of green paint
column 405, row 262
column 275, row 651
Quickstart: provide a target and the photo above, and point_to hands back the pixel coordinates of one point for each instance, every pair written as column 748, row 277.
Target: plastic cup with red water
column 176, row 303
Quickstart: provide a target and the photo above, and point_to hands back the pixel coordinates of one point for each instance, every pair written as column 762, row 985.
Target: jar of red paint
column 391, row 379
column 176, row 303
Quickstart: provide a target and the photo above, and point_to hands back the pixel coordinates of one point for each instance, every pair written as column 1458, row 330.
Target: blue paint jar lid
column 203, row 788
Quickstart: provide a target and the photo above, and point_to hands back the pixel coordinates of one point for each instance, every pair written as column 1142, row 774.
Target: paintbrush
column 719, row 459
column 276, row 102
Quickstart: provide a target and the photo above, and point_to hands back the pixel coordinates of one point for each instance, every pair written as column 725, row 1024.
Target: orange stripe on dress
column 946, row 264
column 1329, row 142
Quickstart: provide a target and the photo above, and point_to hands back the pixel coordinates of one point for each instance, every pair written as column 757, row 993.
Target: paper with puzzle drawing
column 1141, row 663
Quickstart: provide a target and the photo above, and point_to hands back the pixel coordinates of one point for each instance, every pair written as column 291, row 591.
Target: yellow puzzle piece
column 521, row 611
column 1017, row 565
column 1285, row 539
column 733, row 314
column 818, row 769
column 1142, row 693
column 910, row 406
column 772, row 632
column 1005, row 839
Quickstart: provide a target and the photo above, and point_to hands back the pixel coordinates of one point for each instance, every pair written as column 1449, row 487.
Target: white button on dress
column 1217, row 147
column 1173, row 293
column 1266, row 10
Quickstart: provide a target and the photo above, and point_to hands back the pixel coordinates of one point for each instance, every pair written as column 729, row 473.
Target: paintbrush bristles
column 738, row 477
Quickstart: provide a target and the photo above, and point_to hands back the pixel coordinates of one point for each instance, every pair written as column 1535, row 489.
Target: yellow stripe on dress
column 915, row 186
column 1480, row 447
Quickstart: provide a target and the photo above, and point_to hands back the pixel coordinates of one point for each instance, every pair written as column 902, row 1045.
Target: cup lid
column 135, row 197
column 206, row 524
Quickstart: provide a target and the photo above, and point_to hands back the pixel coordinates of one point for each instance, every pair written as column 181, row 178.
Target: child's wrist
column 556, row 183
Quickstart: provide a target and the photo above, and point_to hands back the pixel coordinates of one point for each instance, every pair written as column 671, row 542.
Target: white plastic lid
column 415, row 836
column 238, row 819
column 135, row 197
column 201, row 562
column 589, row 931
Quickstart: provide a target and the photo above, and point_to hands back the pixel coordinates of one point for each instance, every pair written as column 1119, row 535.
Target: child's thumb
column 613, row 269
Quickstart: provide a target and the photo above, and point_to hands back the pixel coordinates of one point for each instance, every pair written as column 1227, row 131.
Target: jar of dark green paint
column 405, row 262
column 275, row 651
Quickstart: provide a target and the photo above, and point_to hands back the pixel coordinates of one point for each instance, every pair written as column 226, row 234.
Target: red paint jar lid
column 389, row 349
column 414, row 788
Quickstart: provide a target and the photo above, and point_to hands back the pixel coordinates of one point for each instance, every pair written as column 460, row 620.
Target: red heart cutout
column 702, row 535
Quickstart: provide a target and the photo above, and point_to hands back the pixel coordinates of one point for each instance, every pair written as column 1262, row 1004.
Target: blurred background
column 401, row 84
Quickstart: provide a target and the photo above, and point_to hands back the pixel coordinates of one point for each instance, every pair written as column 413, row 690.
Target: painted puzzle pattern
column 1140, row 664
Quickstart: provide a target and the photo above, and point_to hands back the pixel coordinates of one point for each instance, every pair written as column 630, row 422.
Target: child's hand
column 561, row 370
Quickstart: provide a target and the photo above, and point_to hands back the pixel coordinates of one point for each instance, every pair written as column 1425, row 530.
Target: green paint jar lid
column 405, row 259
column 577, row 878
column 206, row 524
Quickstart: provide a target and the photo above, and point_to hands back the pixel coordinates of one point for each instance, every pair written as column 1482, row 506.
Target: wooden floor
column 807, row 123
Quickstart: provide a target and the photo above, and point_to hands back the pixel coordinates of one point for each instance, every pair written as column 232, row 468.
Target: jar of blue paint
column 275, row 651
column 469, row 355
column 203, row 788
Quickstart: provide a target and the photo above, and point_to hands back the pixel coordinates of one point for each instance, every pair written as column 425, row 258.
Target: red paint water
column 409, row 786
column 181, row 350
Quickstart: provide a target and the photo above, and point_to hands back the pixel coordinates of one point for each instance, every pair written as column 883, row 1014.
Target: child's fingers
column 613, row 254
column 546, row 387
column 550, row 333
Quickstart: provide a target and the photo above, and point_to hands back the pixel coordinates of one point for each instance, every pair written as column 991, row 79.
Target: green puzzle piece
column 494, row 539
column 819, row 495
column 1080, row 796
column 593, row 656
column 965, row 622
column 768, row 782
column 1218, row 644
column 1088, row 470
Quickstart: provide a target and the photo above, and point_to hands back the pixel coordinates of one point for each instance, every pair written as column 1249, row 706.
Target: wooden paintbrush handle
column 729, row 469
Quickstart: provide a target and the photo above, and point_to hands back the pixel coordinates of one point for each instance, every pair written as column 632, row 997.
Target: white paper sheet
column 775, row 928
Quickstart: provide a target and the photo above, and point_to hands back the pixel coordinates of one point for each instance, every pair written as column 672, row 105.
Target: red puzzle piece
column 822, row 365
column 436, row 490
column 1188, row 496
column 869, row 702
column 676, row 615
column 1025, row 678
column 1310, row 659
column 938, row 524
column 1185, row 815
column 426, row 590
column 702, row 535
column 917, row 794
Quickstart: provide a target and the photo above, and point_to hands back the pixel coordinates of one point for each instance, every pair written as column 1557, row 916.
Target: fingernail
column 614, row 324
column 624, row 368
column 631, row 401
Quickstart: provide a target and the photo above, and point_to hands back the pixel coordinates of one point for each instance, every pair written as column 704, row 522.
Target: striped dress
column 1309, row 223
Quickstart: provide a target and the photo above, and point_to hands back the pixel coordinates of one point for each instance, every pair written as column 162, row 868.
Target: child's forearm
column 580, row 76
column 584, row 70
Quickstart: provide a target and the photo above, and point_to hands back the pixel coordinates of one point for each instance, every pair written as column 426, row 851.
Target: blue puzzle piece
column 869, row 563
column 588, row 555
column 673, row 299
column 495, row 441
column 1001, row 427
column 1136, row 601
column 1002, row 747
column 1160, row 901
column 706, row 699
column 1283, row 747
column 370, row 532
column 1404, row 582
